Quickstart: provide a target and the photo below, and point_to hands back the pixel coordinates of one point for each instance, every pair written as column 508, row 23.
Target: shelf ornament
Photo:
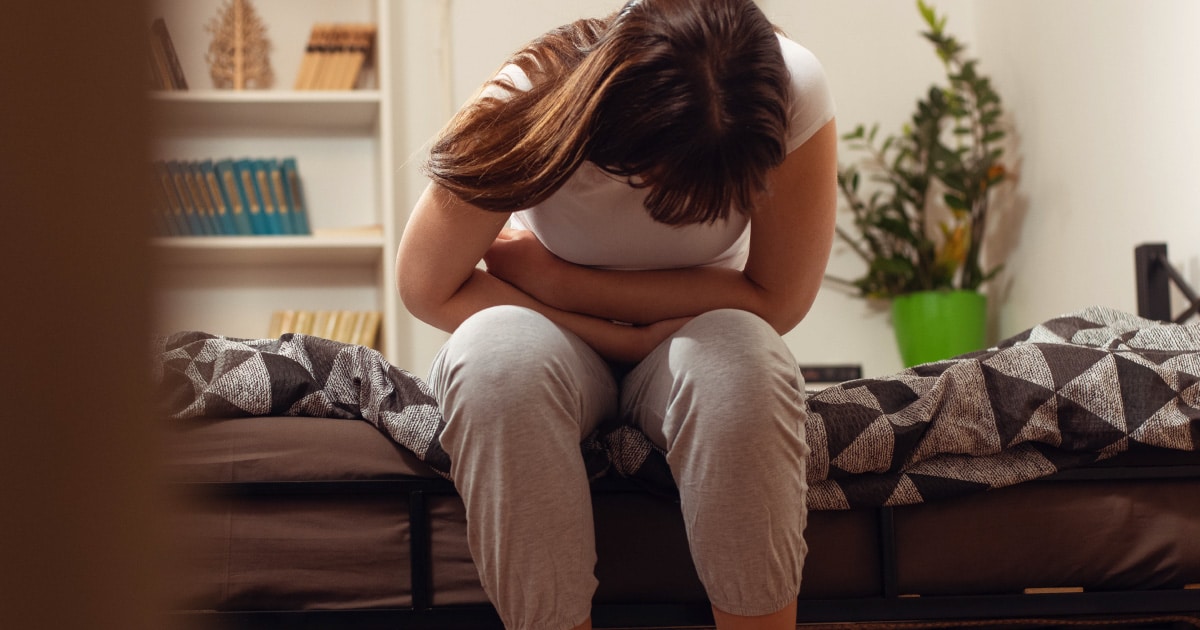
column 238, row 54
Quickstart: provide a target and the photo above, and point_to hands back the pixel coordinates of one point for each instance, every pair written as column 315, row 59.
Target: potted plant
column 921, row 220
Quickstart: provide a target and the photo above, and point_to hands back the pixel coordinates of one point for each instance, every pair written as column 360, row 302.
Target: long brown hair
column 686, row 97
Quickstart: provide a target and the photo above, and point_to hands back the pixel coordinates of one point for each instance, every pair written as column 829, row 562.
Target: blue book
column 191, row 213
column 232, row 190
column 222, row 207
column 204, row 201
column 160, row 210
column 254, row 202
column 172, row 208
column 262, row 176
column 282, row 207
column 294, row 193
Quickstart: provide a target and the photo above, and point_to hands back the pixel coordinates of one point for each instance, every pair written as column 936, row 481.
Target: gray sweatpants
column 722, row 397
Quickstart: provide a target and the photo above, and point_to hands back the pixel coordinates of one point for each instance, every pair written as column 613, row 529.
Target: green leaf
column 929, row 14
column 954, row 202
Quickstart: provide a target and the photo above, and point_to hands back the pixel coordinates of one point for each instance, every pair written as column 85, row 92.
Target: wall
column 1104, row 95
column 1099, row 94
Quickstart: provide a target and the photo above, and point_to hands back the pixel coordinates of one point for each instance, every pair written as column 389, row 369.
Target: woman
column 633, row 154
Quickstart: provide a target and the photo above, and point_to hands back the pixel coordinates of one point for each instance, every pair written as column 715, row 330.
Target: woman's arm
column 790, row 239
column 439, row 283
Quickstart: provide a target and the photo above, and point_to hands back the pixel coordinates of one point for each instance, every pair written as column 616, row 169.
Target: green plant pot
column 935, row 325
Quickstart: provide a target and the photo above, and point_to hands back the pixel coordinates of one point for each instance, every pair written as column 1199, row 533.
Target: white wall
column 1102, row 94
column 1105, row 97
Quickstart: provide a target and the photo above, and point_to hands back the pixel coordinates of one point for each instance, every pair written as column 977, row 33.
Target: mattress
column 305, row 513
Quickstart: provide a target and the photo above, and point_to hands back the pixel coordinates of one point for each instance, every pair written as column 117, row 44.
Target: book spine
column 204, row 202
column 345, row 326
column 159, row 208
column 270, row 209
column 367, row 331
column 174, row 68
column 238, row 204
column 221, row 205
column 191, row 212
column 283, row 211
column 308, row 63
column 294, row 192
column 172, row 214
column 362, row 42
column 158, row 61
column 246, row 180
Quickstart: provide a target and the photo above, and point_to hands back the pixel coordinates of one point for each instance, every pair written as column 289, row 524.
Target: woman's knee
column 497, row 344
column 735, row 350
column 509, row 370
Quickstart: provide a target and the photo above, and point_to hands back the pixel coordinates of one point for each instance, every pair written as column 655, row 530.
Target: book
column 270, row 207
column 303, row 323
column 164, row 220
column 161, row 42
column 345, row 326
column 359, row 42
column 166, row 182
column 320, row 324
column 229, row 197
column 311, row 59
column 222, row 207
column 160, row 210
column 346, row 323
column 366, row 332
column 282, row 207
column 160, row 70
column 205, row 205
column 235, row 196
column 335, row 56
column 287, row 322
column 294, row 193
column 275, row 326
column 244, row 168
column 191, row 212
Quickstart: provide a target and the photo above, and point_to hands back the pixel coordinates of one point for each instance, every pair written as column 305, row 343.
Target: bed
column 1054, row 476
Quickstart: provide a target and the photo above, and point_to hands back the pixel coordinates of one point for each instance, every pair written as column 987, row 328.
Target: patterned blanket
column 1068, row 392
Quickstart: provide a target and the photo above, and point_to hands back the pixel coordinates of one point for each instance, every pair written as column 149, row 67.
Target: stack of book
column 356, row 327
column 335, row 56
column 228, row 198
column 166, row 73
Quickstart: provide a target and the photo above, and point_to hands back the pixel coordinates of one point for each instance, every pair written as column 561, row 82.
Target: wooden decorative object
column 238, row 54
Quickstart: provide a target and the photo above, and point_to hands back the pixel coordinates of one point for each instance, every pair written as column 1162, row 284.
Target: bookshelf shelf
column 284, row 112
column 270, row 250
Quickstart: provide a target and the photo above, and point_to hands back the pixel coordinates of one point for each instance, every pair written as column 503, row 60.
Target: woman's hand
column 519, row 258
column 634, row 343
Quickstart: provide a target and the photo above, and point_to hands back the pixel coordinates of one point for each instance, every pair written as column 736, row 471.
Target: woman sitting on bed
column 632, row 154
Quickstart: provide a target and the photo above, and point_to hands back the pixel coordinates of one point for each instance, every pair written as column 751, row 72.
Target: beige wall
column 1105, row 95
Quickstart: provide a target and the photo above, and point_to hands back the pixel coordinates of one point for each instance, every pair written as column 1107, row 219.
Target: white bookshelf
column 225, row 111
column 343, row 142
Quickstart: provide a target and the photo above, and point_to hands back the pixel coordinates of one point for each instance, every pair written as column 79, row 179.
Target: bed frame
column 1154, row 277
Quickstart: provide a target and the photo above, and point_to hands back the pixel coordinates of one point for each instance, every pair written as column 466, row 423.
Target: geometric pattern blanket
column 200, row 375
column 1069, row 392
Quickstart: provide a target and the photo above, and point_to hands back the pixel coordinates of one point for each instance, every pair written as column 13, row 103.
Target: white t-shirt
column 597, row 219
